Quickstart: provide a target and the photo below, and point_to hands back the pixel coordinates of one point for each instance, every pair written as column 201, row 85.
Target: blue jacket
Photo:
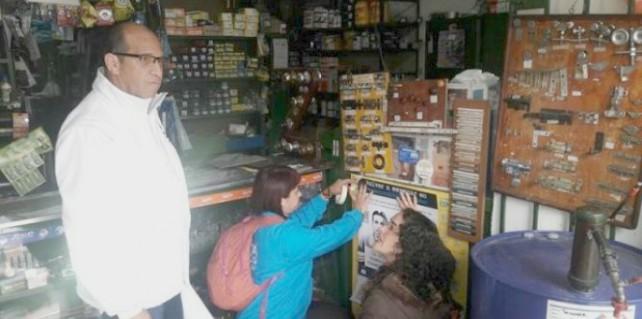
column 287, row 250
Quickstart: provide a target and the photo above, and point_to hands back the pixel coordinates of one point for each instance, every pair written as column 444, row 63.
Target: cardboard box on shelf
column 194, row 31
column 175, row 30
column 174, row 22
column 174, row 13
column 226, row 17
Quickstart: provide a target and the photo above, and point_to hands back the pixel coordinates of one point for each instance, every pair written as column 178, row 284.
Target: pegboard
column 568, row 133
column 418, row 103
column 367, row 148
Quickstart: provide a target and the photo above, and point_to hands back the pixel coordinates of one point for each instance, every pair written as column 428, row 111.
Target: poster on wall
column 421, row 159
column 451, row 49
column 381, row 208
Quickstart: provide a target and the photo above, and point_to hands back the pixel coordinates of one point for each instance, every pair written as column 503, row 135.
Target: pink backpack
column 229, row 274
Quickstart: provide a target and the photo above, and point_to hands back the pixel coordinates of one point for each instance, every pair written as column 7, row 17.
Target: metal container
column 524, row 275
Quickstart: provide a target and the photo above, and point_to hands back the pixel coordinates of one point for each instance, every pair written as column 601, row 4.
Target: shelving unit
column 208, row 81
column 34, row 221
column 62, row 284
column 225, row 116
column 210, row 37
column 394, row 60
column 204, row 129
column 348, row 52
column 398, row 25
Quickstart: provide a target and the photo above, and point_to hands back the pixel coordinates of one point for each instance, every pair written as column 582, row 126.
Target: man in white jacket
column 125, row 202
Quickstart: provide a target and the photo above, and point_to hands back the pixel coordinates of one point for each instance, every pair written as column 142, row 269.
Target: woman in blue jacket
column 284, row 252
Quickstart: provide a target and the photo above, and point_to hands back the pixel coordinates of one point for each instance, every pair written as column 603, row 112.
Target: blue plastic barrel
column 522, row 275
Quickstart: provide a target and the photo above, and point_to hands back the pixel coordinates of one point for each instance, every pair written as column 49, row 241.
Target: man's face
column 378, row 222
column 140, row 77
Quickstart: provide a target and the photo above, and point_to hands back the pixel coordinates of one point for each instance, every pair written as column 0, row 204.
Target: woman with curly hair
column 414, row 282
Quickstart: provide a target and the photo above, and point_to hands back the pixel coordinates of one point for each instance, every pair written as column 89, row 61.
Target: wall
column 519, row 216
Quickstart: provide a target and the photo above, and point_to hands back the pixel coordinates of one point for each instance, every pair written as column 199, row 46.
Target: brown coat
column 392, row 300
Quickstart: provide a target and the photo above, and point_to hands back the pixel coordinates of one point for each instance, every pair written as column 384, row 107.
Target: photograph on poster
column 382, row 207
column 421, row 159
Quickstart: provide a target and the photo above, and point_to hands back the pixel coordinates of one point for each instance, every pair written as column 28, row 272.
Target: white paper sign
column 564, row 310
column 566, row 7
column 280, row 53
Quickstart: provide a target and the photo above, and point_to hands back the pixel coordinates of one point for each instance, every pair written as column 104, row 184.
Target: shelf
column 31, row 234
column 221, row 116
column 397, row 25
column 413, row 128
column 31, row 209
column 210, row 37
column 352, row 52
column 211, row 81
column 65, row 283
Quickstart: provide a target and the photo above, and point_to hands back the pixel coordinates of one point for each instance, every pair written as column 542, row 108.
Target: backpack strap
column 266, row 287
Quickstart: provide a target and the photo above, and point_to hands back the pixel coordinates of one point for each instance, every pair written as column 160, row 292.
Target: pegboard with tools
column 468, row 167
column 571, row 114
column 418, row 103
column 367, row 149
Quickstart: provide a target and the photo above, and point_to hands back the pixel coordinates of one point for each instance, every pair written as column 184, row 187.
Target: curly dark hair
column 424, row 265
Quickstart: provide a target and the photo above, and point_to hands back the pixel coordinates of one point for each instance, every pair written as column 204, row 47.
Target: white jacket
column 125, row 204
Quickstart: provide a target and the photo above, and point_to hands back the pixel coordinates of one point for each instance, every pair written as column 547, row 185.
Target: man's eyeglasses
column 145, row 59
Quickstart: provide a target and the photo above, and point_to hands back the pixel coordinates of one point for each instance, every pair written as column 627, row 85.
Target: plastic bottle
column 5, row 88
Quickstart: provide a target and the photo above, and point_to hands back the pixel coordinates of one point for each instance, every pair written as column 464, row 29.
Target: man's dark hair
column 378, row 213
column 272, row 184
column 116, row 38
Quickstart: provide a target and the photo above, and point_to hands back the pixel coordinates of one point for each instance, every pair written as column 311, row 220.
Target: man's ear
column 112, row 63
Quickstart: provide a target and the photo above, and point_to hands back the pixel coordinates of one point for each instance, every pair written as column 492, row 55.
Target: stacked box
column 308, row 18
column 192, row 18
column 175, row 21
column 228, row 62
column 251, row 22
column 226, row 19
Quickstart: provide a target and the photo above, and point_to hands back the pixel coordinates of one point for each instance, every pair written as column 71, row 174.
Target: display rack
column 387, row 56
column 569, row 124
column 200, row 115
column 468, row 163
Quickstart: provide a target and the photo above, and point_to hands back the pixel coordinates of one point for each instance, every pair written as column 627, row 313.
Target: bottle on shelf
column 5, row 89
column 140, row 12
column 361, row 13
column 347, row 14
column 374, row 12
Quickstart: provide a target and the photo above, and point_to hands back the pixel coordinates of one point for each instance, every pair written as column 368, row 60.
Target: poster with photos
column 421, row 159
column 381, row 208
